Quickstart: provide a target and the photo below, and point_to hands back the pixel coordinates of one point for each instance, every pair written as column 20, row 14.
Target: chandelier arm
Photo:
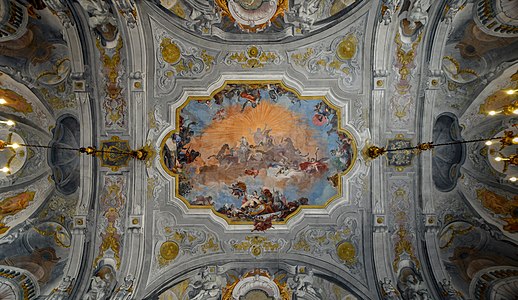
column 444, row 144
column 114, row 152
column 73, row 149
column 48, row 147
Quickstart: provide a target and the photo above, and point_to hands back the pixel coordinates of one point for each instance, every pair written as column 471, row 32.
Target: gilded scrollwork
column 261, row 280
column 113, row 202
column 341, row 58
column 341, row 243
column 114, row 104
column 257, row 245
column 176, row 244
column 403, row 238
column 253, row 57
column 402, row 103
column 400, row 159
column 176, row 59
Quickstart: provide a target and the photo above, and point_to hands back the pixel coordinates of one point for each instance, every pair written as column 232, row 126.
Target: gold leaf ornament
column 256, row 250
column 347, row 47
column 170, row 51
column 253, row 51
column 169, row 250
column 346, row 252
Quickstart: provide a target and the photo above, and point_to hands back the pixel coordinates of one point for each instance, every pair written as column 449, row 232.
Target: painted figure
column 257, row 150
column 205, row 286
column 15, row 204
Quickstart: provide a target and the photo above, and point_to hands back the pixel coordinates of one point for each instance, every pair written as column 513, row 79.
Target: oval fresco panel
column 257, row 150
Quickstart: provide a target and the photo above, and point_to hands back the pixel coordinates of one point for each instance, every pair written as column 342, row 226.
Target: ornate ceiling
column 257, row 115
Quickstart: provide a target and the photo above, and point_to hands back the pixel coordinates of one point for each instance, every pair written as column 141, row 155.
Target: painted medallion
column 257, row 150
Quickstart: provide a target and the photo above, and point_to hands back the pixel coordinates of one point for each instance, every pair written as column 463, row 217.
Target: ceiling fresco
column 256, row 118
column 236, row 19
column 35, row 219
column 214, row 283
column 472, row 56
column 258, row 150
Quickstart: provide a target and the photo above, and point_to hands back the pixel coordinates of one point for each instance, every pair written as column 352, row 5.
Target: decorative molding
column 114, row 104
column 341, row 243
column 176, row 59
column 253, row 57
column 114, row 161
column 402, row 103
column 257, row 245
column 112, row 205
column 174, row 245
column 401, row 203
column 400, row 159
column 341, row 58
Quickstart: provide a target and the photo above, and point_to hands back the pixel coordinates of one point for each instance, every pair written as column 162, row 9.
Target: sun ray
column 281, row 121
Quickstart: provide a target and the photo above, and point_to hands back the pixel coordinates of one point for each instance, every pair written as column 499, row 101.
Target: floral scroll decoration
column 341, row 243
column 19, row 201
column 403, row 238
column 262, row 278
column 257, row 245
column 174, row 244
column 339, row 59
column 113, row 202
column 114, row 105
column 402, row 103
column 185, row 242
column 253, row 57
column 495, row 206
column 400, row 159
column 501, row 207
column 114, row 160
column 174, row 60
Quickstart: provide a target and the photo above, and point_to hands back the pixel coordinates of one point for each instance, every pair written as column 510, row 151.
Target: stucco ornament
column 183, row 242
column 411, row 285
column 341, row 243
column 388, row 291
column 449, row 291
column 304, row 14
column 176, row 59
column 339, row 58
column 257, row 245
column 206, row 285
column 113, row 203
column 453, row 7
column 101, row 284
column 388, row 9
column 100, row 18
column 169, row 250
column 253, row 57
column 418, row 13
column 128, row 9
column 256, row 281
column 60, row 9
column 63, row 290
column 174, row 245
column 302, row 285
column 252, row 15
column 252, row 12
column 125, row 290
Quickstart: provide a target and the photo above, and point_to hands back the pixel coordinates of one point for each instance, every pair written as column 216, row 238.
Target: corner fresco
column 257, row 151
column 255, row 16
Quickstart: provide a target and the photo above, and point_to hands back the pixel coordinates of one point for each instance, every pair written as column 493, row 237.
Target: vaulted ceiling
column 256, row 116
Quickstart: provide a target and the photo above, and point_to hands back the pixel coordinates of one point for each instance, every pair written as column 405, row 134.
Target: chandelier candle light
column 140, row 154
column 508, row 139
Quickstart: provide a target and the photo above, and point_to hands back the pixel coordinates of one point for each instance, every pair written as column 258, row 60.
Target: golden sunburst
column 282, row 122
